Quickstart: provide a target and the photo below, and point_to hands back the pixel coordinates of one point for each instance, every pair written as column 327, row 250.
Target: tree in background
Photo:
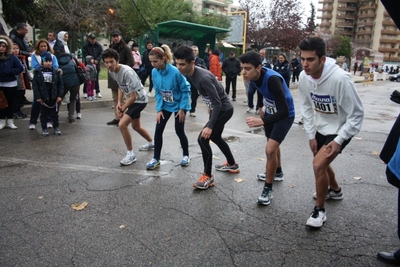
column 341, row 46
column 310, row 26
column 15, row 11
column 284, row 21
column 279, row 24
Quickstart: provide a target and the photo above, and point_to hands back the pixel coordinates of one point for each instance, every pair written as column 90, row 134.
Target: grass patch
column 103, row 71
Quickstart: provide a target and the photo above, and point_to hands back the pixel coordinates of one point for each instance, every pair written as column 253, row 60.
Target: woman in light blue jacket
column 172, row 93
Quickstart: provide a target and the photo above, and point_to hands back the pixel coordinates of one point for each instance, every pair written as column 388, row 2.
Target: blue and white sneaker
column 278, row 177
column 152, row 164
column 185, row 161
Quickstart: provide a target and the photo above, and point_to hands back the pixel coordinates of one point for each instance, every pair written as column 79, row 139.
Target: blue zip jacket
column 172, row 90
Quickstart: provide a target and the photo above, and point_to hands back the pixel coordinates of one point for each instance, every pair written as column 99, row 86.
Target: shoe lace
column 203, row 178
column 266, row 191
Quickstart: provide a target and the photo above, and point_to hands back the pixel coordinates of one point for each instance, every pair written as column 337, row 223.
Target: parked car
column 393, row 78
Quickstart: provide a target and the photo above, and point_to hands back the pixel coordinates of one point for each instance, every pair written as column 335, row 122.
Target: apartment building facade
column 366, row 22
column 215, row 7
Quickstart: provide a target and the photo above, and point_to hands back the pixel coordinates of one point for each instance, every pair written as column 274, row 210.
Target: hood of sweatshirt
column 87, row 60
column 61, row 36
column 64, row 59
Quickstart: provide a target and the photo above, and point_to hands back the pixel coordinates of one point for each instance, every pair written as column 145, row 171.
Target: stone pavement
column 136, row 217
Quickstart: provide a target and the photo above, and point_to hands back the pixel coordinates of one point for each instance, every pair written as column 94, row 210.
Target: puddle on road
column 231, row 139
column 256, row 131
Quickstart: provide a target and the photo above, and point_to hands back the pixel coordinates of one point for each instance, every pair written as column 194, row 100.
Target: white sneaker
column 84, row 95
column 129, row 159
column 2, row 124
column 10, row 124
column 32, row 126
column 192, row 114
column 278, row 177
column 89, row 98
column 49, row 125
column 79, row 116
column 317, row 218
column 249, row 110
column 99, row 95
column 147, row 146
column 94, row 98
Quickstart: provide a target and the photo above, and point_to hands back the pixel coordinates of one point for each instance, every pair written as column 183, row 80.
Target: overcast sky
column 306, row 5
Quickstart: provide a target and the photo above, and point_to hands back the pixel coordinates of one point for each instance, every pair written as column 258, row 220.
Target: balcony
column 365, row 23
column 347, row 8
column 368, row 15
column 388, row 41
column 345, row 24
column 327, row 8
column 385, row 58
column 367, row 7
column 348, row 1
column 325, row 1
column 388, row 23
column 325, row 24
column 364, row 32
column 325, row 16
column 215, row 2
column 390, row 32
column 386, row 49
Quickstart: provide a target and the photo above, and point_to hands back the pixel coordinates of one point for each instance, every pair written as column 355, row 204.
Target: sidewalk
column 106, row 99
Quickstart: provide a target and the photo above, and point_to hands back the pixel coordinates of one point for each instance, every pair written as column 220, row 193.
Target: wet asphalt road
column 136, row 217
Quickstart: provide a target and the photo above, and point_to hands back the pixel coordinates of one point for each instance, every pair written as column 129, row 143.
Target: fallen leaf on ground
column 121, row 226
column 77, row 206
column 239, row 180
column 357, row 177
column 358, row 138
column 375, row 153
column 261, row 159
column 216, row 157
column 40, row 197
column 291, row 186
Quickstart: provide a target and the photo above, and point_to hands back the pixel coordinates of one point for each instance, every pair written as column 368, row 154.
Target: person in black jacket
column 282, row 66
column 147, row 65
column 48, row 89
column 56, row 44
column 231, row 68
column 18, row 37
column 94, row 49
column 296, row 68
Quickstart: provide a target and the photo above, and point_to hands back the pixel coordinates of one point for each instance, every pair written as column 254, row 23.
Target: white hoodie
column 331, row 104
column 60, row 36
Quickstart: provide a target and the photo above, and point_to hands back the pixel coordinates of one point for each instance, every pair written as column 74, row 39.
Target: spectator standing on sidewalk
column 9, row 67
column 231, row 68
column 282, row 67
column 332, row 114
column 94, row 49
column 136, row 57
column 215, row 64
column 146, row 64
column 193, row 92
column 220, row 110
column 125, row 58
column 277, row 116
column 36, row 61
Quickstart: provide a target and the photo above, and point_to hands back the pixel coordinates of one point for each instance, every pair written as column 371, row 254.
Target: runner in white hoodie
column 332, row 113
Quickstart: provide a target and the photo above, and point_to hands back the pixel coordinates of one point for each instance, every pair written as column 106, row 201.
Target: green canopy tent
column 188, row 33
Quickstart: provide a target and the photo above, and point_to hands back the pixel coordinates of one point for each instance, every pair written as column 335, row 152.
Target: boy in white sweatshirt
column 332, row 113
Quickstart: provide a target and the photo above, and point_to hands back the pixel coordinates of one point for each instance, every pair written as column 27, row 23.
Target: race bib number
column 270, row 106
column 207, row 101
column 324, row 103
column 48, row 77
column 167, row 96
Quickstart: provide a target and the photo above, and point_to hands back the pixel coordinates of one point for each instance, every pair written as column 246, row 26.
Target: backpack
column 82, row 72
